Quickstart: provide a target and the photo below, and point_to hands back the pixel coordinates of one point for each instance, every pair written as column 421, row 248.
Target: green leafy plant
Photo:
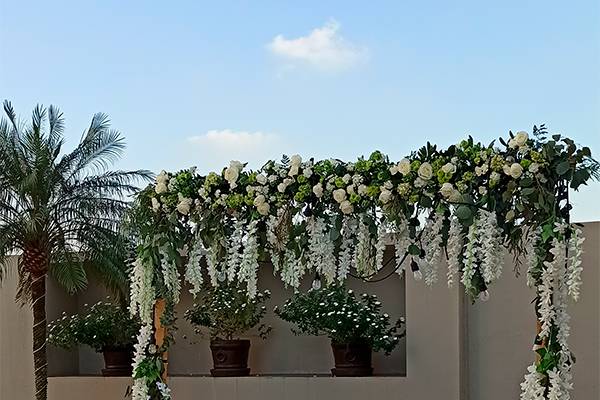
column 228, row 312
column 102, row 326
column 336, row 312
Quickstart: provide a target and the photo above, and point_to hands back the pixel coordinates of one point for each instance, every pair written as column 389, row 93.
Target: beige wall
column 453, row 350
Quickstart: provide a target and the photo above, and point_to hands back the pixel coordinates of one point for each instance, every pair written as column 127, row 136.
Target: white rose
column 425, row 171
column 155, row 204
column 516, row 170
column 307, row 172
column 521, row 138
column 260, row 178
column 346, row 207
column 350, row 189
column 388, row 185
column 281, row 187
column 394, row 169
column 506, row 169
column 160, row 188
column 385, row 196
column 339, row 195
column 482, row 190
column 318, row 190
column 263, row 208
column 447, row 189
column 347, row 178
column 512, row 143
column 404, row 166
column 362, row 190
column 296, row 160
column 449, row 168
column 534, row 168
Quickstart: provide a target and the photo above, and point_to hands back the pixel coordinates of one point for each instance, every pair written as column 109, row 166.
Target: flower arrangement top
column 228, row 312
column 103, row 326
column 471, row 202
column 336, row 312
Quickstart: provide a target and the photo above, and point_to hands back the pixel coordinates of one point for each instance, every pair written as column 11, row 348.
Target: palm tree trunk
column 35, row 262
column 38, row 297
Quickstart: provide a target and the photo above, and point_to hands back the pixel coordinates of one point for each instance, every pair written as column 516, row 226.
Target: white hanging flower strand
column 249, row 260
column 455, row 247
column 193, row 272
column 575, row 268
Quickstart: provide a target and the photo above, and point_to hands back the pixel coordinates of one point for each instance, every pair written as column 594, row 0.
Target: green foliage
column 336, row 312
column 228, row 312
column 67, row 207
column 103, row 325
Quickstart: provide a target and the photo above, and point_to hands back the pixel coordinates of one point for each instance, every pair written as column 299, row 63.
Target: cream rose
column 346, row 207
column 339, row 195
column 385, row 196
column 516, row 170
column 318, row 190
column 296, row 160
column 263, row 208
column 260, row 178
column 404, row 166
column 163, row 177
column 449, row 168
column 160, row 187
column 362, row 190
column 521, row 138
column 294, row 169
column 184, row 205
column 447, row 189
column 425, row 171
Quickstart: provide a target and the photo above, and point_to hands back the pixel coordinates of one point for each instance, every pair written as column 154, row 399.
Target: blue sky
column 198, row 83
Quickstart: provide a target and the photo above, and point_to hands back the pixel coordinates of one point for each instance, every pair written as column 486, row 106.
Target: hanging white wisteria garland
column 330, row 220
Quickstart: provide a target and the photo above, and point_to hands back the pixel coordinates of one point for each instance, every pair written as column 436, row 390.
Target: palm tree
column 61, row 212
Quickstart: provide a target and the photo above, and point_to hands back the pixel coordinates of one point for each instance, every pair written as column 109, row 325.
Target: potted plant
column 355, row 326
column 228, row 313
column 106, row 327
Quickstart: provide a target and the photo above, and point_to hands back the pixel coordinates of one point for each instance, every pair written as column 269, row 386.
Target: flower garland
column 332, row 217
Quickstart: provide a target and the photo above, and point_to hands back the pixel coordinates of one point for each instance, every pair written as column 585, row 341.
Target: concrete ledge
column 246, row 388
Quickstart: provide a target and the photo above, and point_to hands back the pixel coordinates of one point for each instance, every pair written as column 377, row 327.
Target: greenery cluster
column 336, row 312
column 228, row 312
column 102, row 326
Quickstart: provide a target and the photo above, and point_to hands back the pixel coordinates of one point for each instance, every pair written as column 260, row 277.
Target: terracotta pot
column 352, row 359
column 230, row 357
column 117, row 361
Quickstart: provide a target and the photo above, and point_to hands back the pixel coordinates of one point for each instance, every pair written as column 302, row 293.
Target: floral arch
column 471, row 203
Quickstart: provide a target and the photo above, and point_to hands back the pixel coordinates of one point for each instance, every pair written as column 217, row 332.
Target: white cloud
column 214, row 149
column 323, row 48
